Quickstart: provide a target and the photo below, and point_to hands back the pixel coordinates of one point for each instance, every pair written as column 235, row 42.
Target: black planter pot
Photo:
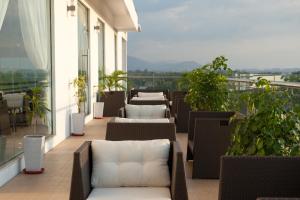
column 250, row 177
column 113, row 101
column 208, row 139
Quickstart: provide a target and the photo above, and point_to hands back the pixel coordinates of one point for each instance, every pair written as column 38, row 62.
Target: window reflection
column 24, row 65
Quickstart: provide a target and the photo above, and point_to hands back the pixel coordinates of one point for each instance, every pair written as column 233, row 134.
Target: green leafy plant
column 183, row 82
column 271, row 127
column 207, row 86
column 38, row 108
column 112, row 82
column 80, row 84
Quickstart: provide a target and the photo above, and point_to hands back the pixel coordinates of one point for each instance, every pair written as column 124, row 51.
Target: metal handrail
column 240, row 80
column 274, row 83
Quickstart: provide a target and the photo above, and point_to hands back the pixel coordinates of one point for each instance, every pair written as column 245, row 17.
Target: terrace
column 108, row 133
column 54, row 183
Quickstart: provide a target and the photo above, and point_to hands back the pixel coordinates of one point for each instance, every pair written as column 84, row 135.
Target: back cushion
column 130, row 163
column 145, row 111
column 150, row 94
column 127, row 120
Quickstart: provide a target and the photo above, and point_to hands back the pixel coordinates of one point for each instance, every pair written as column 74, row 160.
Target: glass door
column 83, row 49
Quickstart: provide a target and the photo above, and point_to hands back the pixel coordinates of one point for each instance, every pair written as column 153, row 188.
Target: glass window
column 25, row 71
column 101, row 48
column 83, row 49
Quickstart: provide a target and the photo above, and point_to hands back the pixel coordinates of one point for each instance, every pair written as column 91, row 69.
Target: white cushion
column 130, row 163
column 150, row 94
column 145, row 111
column 130, row 193
column 127, row 120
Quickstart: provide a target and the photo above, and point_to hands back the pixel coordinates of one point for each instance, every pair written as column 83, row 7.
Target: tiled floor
column 54, row 184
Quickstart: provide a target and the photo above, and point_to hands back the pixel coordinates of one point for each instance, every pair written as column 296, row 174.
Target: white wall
column 65, row 64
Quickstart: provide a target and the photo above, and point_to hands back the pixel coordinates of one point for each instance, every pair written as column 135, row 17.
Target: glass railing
column 154, row 81
column 238, row 83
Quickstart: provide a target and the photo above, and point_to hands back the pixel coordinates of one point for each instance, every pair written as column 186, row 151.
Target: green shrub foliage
column 113, row 81
column 271, row 127
column 207, row 86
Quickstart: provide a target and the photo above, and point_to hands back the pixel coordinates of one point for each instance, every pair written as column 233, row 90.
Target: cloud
column 252, row 32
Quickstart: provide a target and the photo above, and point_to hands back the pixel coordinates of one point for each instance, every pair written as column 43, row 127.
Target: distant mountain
column 140, row 64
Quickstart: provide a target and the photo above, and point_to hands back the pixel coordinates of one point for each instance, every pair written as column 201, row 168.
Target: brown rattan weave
column 140, row 131
column 250, row 177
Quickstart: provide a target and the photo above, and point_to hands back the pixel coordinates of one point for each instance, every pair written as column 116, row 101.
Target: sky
column 250, row 33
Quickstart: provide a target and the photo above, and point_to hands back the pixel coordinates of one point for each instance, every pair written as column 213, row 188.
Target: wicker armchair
column 208, row 140
column 181, row 115
column 211, row 140
column 140, row 131
column 134, row 92
column 175, row 96
column 82, row 172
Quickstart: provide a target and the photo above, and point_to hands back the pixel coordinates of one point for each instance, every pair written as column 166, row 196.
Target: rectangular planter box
column 77, row 124
column 34, row 147
column 250, row 177
column 98, row 110
column 113, row 101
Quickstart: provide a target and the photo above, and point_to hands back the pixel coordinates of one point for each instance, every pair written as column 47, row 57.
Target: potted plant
column 208, row 96
column 77, row 119
column 112, row 92
column 34, row 145
column 263, row 158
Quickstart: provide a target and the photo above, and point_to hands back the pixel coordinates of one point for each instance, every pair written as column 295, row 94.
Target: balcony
column 55, row 182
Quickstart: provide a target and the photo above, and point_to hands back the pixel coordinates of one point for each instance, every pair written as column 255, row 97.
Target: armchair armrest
column 81, row 174
column 178, row 178
column 168, row 113
column 122, row 112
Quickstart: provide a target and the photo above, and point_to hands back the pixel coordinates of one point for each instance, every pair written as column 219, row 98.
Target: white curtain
column 33, row 16
column 3, row 9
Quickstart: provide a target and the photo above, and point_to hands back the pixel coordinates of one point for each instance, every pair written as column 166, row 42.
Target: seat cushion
column 130, row 163
column 150, row 98
column 127, row 120
column 130, row 193
column 145, row 111
column 150, row 94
